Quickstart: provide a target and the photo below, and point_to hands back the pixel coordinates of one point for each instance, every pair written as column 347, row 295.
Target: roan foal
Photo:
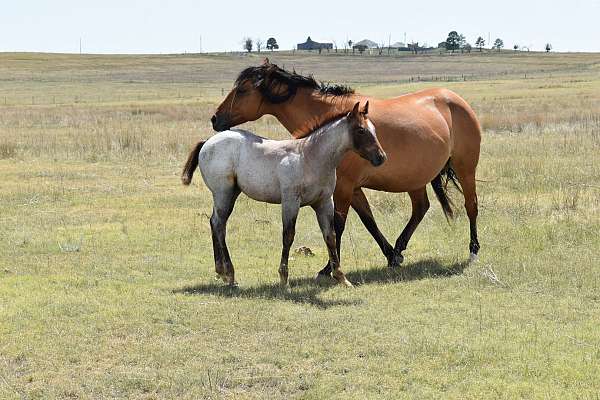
column 293, row 173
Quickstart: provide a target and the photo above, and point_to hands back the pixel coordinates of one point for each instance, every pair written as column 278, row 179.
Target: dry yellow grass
column 106, row 282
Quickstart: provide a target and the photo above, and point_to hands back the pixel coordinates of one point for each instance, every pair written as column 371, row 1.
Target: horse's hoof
column 323, row 278
column 285, row 288
column 473, row 258
column 396, row 261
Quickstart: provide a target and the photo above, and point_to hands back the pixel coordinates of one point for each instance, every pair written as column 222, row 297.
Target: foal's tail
column 440, row 187
column 192, row 163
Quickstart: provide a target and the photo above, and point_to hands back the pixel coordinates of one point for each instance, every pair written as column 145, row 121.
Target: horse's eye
column 241, row 91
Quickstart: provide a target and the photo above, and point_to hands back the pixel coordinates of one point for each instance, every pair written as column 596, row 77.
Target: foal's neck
column 328, row 144
column 308, row 109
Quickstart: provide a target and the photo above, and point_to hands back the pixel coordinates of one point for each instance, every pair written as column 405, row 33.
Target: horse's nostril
column 213, row 119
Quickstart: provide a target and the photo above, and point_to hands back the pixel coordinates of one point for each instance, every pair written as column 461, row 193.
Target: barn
column 312, row 45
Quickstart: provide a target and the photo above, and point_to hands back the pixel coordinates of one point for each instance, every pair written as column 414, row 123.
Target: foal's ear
column 355, row 109
column 266, row 61
column 365, row 110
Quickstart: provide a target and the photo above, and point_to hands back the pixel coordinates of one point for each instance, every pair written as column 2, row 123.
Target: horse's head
column 364, row 138
column 254, row 89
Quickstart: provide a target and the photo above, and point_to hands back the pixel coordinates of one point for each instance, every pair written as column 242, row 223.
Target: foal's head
column 364, row 138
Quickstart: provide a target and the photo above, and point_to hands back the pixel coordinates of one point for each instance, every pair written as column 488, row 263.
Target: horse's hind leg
column 223, row 202
column 420, row 205
column 325, row 217
column 360, row 204
column 466, row 177
column 289, row 213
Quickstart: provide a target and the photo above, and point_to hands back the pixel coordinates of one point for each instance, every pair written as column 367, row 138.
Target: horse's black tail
column 440, row 187
column 191, row 164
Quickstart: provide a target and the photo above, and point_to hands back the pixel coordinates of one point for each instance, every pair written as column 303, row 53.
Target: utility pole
column 405, row 42
column 79, row 45
column 200, row 43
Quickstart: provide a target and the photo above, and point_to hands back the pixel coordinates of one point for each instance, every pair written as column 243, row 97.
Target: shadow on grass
column 307, row 290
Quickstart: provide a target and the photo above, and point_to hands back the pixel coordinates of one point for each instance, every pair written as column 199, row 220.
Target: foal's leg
column 360, row 204
column 420, row 205
column 223, row 203
column 342, row 198
column 325, row 217
column 289, row 213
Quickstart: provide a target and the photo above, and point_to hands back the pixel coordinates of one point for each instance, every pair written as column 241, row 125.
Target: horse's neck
column 308, row 109
column 326, row 146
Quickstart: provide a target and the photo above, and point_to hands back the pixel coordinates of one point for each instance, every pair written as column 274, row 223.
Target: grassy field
column 107, row 287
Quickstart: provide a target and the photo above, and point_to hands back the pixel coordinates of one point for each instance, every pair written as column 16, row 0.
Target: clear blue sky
column 155, row 26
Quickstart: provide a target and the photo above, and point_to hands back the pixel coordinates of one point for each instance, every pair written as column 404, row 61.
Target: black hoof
column 395, row 261
column 324, row 279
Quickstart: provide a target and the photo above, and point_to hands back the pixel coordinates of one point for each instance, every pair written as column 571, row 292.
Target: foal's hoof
column 395, row 261
column 473, row 258
column 346, row 283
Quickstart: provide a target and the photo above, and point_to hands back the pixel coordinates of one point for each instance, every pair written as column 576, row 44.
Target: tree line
column 455, row 41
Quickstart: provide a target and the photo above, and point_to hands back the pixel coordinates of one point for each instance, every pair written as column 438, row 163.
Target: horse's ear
column 355, row 109
column 266, row 61
column 365, row 110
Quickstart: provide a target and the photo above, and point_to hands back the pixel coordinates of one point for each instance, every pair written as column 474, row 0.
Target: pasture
column 107, row 285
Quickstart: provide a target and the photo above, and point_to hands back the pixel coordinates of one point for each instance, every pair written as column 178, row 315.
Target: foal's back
column 258, row 166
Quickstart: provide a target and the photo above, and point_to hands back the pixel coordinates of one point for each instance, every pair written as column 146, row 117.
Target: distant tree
column 453, row 41
column 414, row 47
column 334, row 45
column 468, row 47
column 548, row 47
column 259, row 44
column 498, row 44
column 360, row 47
column 272, row 44
column 462, row 41
column 480, row 43
column 248, row 44
column 350, row 45
column 516, row 47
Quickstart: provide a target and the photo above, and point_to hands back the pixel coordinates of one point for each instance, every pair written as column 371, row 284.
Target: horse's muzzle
column 378, row 159
column 219, row 124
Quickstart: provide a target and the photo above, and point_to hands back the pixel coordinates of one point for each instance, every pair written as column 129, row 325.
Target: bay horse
column 430, row 136
column 293, row 173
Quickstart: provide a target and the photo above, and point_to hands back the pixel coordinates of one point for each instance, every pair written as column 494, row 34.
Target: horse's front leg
column 289, row 212
column 325, row 216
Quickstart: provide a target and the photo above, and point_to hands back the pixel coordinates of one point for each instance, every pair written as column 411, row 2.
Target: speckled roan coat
column 293, row 173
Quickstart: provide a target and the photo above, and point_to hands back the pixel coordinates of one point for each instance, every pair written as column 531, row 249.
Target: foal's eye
column 241, row 91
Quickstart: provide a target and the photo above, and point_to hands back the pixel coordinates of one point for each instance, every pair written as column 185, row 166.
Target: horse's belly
column 397, row 175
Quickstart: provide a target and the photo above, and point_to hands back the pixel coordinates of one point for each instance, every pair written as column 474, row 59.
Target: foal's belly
column 260, row 185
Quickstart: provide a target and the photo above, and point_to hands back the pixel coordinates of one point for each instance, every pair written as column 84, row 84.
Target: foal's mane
column 317, row 123
column 270, row 79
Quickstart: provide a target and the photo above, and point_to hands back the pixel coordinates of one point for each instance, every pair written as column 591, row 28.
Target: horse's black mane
column 271, row 80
